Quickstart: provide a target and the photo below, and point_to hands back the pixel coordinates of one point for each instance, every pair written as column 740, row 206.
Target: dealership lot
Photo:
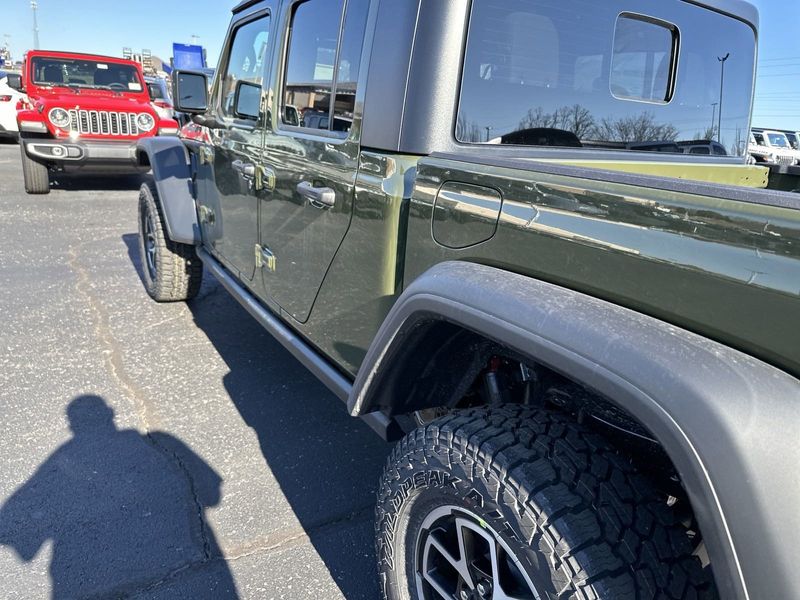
column 228, row 471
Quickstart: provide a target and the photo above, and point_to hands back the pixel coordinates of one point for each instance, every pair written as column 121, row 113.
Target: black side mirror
column 191, row 92
column 15, row 82
column 247, row 101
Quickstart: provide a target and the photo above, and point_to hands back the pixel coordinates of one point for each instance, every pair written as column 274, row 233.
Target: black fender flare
column 729, row 422
column 172, row 175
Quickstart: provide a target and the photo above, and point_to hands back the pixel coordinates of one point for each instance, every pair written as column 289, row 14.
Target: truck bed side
column 722, row 262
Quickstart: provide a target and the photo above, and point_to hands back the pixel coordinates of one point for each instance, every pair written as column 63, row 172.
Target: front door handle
column 318, row 197
column 247, row 170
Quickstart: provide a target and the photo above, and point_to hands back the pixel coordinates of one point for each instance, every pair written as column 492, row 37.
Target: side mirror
column 191, row 92
column 15, row 82
column 247, row 101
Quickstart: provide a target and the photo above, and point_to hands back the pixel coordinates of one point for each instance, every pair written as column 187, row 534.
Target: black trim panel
column 172, row 175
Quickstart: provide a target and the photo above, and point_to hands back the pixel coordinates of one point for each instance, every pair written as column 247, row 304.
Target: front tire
column 522, row 503
column 35, row 174
column 172, row 272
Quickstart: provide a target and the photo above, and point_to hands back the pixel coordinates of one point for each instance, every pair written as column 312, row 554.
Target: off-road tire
column 35, row 174
column 580, row 519
column 176, row 272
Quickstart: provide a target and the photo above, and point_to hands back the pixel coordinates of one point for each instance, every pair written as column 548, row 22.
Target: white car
column 8, row 108
column 778, row 141
column 772, row 147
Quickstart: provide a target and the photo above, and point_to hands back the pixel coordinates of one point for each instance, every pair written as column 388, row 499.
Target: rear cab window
column 589, row 74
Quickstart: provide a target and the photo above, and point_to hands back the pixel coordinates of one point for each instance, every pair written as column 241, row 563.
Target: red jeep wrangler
column 84, row 113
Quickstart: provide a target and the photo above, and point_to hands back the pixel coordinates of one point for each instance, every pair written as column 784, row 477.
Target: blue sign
column 189, row 57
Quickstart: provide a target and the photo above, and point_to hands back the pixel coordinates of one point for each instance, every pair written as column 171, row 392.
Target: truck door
column 231, row 202
column 312, row 150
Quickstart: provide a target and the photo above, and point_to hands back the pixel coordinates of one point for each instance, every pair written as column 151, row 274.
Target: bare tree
column 636, row 128
column 469, row 131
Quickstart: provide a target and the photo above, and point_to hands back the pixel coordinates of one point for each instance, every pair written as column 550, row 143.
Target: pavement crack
column 293, row 536
column 113, row 356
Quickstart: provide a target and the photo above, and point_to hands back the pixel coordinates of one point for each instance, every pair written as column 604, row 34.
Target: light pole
column 35, row 7
column 722, row 61
column 713, row 119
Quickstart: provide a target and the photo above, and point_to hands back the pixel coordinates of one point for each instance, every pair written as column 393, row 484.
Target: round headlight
column 59, row 117
column 145, row 122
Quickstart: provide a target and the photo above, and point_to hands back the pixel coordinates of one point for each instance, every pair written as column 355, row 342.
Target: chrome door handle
column 247, row 170
column 318, row 197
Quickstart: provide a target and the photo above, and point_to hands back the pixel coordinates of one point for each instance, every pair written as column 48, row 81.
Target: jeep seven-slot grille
column 102, row 122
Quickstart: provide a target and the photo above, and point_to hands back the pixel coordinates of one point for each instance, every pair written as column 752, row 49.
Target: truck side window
column 602, row 75
column 245, row 61
column 323, row 59
column 355, row 24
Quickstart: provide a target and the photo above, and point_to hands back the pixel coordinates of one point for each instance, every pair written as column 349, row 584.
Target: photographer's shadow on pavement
column 124, row 510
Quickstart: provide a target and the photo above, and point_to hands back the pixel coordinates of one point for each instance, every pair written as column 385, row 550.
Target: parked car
column 86, row 112
column 160, row 97
column 794, row 139
column 778, row 142
column 703, row 147
column 9, row 98
column 763, row 152
column 588, row 349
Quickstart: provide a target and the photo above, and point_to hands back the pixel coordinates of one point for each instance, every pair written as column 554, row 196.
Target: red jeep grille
column 102, row 122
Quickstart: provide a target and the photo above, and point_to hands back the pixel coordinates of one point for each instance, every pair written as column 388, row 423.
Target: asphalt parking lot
column 159, row 451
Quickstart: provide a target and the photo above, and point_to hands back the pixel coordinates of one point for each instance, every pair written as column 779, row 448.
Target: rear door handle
column 318, row 197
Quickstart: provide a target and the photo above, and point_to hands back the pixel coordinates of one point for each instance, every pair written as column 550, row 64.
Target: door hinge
column 265, row 259
column 265, row 178
column 206, row 215
column 206, row 155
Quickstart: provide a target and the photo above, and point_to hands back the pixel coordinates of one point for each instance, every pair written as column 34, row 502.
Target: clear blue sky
column 106, row 26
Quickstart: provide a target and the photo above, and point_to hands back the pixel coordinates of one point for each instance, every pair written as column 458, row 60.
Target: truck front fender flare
column 172, row 175
column 728, row 422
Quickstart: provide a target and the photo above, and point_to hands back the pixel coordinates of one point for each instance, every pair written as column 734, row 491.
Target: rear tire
column 172, row 272
column 35, row 174
column 570, row 518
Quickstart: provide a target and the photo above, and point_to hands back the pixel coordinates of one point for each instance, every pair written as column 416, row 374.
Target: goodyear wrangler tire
column 34, row 174
column 524, row 503
column 171, row 271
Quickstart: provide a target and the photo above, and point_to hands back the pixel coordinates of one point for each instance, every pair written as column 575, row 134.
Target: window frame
column 221, row 73
column 672, row 83
column 327, row 135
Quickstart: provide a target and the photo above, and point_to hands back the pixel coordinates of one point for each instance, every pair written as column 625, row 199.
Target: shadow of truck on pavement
column 326, row 462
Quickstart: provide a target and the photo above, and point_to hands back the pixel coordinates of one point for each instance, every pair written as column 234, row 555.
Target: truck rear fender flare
column 172, row 175
column 727, row 421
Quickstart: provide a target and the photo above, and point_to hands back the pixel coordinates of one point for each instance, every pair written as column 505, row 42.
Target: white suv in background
column 8, row 108
column 773, row 147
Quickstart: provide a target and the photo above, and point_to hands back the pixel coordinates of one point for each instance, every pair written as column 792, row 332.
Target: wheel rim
column 459, row 557
column 150, row 245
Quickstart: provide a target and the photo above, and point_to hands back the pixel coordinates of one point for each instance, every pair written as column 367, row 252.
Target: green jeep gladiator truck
column 477, row 222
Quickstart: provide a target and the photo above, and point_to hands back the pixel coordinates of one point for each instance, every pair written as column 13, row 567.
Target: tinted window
column 246, row 61
column 311, row 59
column 589, row 74
column 313, row 73
column 777, row 139
column 156, row 93
column 349, row 62
column 85, row 74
